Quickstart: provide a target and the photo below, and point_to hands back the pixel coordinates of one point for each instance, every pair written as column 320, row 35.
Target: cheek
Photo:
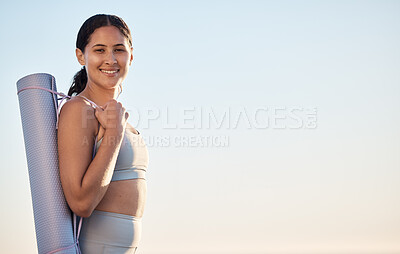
column 124, row 60
column 93, row 61
column 92, row 65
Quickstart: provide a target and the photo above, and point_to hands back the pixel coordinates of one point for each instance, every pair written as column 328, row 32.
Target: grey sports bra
column 133, row 157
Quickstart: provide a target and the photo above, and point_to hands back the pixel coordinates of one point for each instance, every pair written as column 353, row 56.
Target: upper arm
column 76, row 132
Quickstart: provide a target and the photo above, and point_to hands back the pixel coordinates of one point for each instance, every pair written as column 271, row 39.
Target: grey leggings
column 106, row 232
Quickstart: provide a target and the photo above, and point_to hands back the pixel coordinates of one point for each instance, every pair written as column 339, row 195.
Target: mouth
column 109, row 72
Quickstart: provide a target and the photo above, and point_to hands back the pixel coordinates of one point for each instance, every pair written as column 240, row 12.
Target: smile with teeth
column 109, row 72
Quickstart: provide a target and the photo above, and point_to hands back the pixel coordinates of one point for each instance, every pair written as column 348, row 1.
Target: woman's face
column 107, row 57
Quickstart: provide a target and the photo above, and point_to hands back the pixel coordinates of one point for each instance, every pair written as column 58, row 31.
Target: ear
column 130, row 60
column 80, row 56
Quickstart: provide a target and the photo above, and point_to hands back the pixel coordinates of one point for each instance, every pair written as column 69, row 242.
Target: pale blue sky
column 329, row 188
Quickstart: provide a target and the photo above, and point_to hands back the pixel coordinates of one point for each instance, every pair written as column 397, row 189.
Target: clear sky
column 298, row 101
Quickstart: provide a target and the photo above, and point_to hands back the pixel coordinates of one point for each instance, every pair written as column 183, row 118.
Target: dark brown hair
column 86, row 30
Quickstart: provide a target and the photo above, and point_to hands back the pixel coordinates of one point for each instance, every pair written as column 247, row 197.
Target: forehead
column 107, row 35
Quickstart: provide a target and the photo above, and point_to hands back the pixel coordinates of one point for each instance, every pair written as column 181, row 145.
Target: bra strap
column 91, row 102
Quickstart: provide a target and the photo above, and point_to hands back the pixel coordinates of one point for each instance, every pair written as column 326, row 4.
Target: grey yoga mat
column 53, row 218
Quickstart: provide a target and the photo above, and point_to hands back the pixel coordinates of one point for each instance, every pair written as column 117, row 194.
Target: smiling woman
column 102, row 45
column 102, row 158
column 107, row 56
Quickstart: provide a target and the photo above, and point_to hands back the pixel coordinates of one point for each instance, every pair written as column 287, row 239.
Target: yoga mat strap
column 58, row 106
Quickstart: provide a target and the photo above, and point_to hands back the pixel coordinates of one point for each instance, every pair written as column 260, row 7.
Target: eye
column 120, row 50
column 99, row 50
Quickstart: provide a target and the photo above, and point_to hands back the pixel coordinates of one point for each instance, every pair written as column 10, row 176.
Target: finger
column 96, row 113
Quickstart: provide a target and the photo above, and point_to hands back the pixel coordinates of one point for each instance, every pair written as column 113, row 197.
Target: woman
column 102, row 158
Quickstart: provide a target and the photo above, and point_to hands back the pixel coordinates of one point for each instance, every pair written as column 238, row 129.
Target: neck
column 99, row 95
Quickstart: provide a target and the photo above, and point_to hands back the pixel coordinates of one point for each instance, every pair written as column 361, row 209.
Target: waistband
column 115, row 215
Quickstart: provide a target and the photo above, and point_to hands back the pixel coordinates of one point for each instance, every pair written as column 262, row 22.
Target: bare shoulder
column 76, row 104
column 77, row 114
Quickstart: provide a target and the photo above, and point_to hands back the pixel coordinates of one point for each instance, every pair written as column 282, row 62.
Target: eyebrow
column 102, row 45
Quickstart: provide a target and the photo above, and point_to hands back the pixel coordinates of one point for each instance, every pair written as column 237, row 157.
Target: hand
column 112, row 116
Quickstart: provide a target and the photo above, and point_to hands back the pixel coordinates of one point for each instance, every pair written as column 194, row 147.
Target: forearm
column 98, row 176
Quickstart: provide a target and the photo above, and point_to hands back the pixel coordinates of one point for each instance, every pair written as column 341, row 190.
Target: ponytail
column 79, row 82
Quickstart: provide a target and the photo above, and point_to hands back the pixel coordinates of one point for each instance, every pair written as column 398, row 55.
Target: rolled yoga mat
column 55, row 229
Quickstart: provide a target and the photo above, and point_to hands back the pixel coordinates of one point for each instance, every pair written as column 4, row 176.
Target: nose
column 110, row 58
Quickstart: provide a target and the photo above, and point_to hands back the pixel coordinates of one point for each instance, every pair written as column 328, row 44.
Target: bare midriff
column 125, row 197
